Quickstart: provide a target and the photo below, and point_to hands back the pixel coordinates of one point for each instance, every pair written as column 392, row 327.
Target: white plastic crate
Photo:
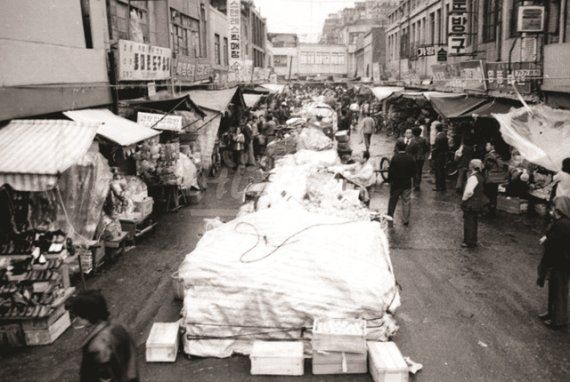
column 162, row 342
column 277, row 358
column 386, row 363
column 339, row 335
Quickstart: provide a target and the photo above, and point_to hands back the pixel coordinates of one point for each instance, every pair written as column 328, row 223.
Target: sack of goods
column 312, row 138
column 267, row 275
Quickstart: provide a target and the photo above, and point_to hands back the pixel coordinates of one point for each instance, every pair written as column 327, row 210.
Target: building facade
column 320, row 61
column 285, row 51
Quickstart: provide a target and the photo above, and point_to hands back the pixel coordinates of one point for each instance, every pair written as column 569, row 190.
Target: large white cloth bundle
column 269, row 274
column 312, row 138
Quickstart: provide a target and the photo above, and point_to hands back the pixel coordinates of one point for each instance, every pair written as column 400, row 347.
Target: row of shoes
column 51, row 264
column 36, row 311
column 43, row 275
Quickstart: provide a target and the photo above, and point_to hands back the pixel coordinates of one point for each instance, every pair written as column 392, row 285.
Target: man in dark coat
column 418, row 148
column 109, row 353
column 439, row 158
column 555, row 264
column 400, row 174
column 472, row 203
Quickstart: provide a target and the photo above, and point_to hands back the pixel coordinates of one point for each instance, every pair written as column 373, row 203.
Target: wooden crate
column 386, row 363
column 44, row 323
column 339, row 335
column 277, row 358
column 339, row 363
column 49, row 335
column 162, row 342
column 145, row 207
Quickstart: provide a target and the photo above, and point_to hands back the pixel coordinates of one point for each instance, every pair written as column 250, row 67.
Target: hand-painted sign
column 458, row 27
column 234, row 33
column 139, row 62
column 466, row 75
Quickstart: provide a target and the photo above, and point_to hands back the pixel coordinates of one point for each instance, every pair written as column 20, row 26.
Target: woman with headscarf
column 555, row 264
column 472, row 203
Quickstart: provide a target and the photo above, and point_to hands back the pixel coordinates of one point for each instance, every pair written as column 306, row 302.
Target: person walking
column 239, row 146
column 269, row 129
column 472, row 203
column 368, row 127
column 400, row 174
column 555, row 264
column 495, row 174
column 248, row 132
column 463, row 156
column 109, row 352
column 419, row 149
column 439, row 157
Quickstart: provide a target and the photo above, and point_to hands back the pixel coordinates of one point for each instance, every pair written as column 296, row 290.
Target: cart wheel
column 384, row 167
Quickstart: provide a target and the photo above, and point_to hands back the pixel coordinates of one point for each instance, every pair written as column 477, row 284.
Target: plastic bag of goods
column 313, row 139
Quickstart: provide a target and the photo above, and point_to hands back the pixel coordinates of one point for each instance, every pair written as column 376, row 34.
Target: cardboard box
column 386, row 363
column 277, row 358
column 512, row 205
column 339, row 363
column 162, row 342
column 339, row 335
column 49, row 335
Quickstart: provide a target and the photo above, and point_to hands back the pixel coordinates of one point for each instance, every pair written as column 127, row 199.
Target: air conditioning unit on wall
column 530, row 19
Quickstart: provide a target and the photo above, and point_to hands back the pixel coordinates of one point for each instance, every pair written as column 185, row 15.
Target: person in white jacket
column 562, row 178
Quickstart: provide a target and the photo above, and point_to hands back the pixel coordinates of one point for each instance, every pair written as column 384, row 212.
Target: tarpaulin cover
column 269, row 274
column 83, row 189
column 494, row 106
column 117, row 129
column 33, row 153
column 540, row 133
column 383, row 92
column 274, row 88
column 166, row 105
column 452, row 107
column 217, row 100
column 251, row 99
column 207, row 133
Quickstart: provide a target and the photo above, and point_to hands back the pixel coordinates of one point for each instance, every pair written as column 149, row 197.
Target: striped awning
column 33, row 153
column 117, row 129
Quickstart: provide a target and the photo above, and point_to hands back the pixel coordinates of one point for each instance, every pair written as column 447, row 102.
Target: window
column 203, row 28
column 431, row 39
column 184, row 34
column 226, row 52
column 552, row 22
column 446, row 23
column 217, row 55
column 491, row 18
column 122, row 18
column 280, row 60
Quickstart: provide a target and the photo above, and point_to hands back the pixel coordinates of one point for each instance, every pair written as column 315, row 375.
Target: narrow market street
column 466, row 315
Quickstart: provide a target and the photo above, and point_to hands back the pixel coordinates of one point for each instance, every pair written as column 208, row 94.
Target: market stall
column 53, row 185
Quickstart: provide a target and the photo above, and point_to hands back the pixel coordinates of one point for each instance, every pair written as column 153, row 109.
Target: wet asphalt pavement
column 466, row 315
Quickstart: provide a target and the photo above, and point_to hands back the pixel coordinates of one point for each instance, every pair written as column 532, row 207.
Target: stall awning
column 494, row 106
column 274, row 88
column 383, row 92
column 455, row 107
column 251, row 99
column 114, row 128
column 33, row 153
column 217, row 100
column 184, row 103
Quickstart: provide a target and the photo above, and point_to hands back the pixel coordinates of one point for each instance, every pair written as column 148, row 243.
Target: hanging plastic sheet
column 205, row 132
column 540, row 133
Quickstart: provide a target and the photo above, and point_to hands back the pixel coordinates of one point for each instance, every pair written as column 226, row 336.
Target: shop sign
column 151, row 87
column 159, row 121
column 184, row 68
column 203, row 72
column 139, row 62
column 220, row 78
column 522, row 74
column 426, row 51
column 234, row 33
column 441, row 55
column 466, row 75
column 458, row 27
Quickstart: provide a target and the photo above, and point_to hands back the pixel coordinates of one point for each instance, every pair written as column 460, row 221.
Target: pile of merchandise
column 147, row 159
column 167, row 164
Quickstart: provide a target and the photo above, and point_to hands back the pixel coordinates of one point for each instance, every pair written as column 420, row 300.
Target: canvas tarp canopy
column 383, row 92
column 165, row 105
column 117, row 129
column 217, row 100
column 274, row 88
column 251, row 99
column 540, row 133
column 456, row 107
column 34, row 153
column 493, row 106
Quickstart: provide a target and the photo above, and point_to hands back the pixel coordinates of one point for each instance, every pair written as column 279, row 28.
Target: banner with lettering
column 139, row 62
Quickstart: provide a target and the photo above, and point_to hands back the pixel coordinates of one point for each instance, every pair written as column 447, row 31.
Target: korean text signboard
column 466, row 75
column 458, row 28
column 522, row 74
column 234, row 33
column 159, row 121
column 184, row 68
column 139, row 62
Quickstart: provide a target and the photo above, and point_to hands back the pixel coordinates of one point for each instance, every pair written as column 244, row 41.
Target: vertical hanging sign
column 458, row 28
column 234, row 33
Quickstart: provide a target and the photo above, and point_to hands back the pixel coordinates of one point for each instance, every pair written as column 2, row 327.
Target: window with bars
column 491, row 20
column 185, row 30
column 225, row 51
column 217, row 55
column 122, row 19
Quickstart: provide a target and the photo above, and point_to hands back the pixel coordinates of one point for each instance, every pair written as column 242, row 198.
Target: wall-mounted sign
column 466, row 75
column 151, row 87
column 441, row 55
column 530, row 19
column 426, row 51
column 458, row 27
column 159, row 121
column 234, row 33
column 139, row 62
column 184, row 68
column 203, row 72
column 522, row 74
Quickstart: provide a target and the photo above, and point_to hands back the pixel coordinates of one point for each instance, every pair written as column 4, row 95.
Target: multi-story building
column 53, row 56
column 321, row 60
column 285, row 51
column 371, row 55
column 470, row 45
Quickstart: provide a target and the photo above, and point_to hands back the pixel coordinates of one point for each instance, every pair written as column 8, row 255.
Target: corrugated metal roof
column 34, row 152
column 117, row 129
